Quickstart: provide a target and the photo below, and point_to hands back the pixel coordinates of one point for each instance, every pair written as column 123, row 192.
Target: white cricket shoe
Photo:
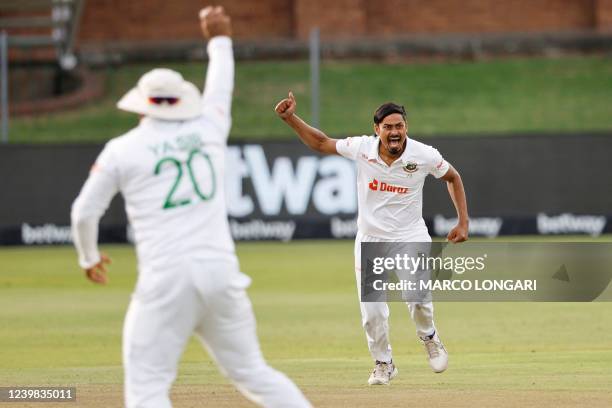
column 383, row 373
column 436, row 353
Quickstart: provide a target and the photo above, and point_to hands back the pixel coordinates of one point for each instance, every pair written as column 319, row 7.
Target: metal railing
column 315, row 78
column 62, row 18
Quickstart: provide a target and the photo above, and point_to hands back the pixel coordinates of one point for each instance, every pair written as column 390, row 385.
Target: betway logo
column 343, row 228
column 569, row 223
column 382, row 186
column 45, row 234
column 297, row 183
column 259, row 229
column 487, row 226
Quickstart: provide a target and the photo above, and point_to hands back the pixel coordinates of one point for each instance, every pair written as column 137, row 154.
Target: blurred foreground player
column 390, row 214
column 170, row 170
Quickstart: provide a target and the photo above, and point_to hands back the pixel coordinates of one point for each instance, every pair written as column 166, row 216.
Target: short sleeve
column 437, row 165
column 349, row 147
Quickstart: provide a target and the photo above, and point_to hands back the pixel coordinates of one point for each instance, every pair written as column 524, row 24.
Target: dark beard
column 395, row 150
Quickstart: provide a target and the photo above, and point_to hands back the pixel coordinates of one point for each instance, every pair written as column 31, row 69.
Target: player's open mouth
column 394, row 140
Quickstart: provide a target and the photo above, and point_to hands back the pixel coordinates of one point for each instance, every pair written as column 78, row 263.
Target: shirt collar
column 373, row 153
column 149, row 121
column 406, row 153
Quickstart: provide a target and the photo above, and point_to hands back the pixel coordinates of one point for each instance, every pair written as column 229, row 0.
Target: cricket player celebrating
column 170, row 170
column 391, row 214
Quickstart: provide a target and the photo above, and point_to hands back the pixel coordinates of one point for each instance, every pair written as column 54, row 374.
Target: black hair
column 387, row 109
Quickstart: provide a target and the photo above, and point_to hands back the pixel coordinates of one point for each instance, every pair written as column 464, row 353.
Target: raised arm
column 219, row 86
column 312, row 137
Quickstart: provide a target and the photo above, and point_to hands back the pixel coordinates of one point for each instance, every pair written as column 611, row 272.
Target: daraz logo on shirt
column 374, row 185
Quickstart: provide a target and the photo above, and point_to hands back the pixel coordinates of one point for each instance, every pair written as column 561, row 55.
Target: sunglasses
column 158, row 100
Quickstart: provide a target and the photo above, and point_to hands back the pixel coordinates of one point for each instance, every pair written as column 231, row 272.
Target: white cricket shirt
column 390, row 198
column 171, row 175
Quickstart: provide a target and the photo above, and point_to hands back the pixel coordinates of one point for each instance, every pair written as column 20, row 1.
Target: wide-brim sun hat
column 163, row 94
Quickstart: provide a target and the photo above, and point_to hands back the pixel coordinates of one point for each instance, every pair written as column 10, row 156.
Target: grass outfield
column 57, row 328
column 513, row 95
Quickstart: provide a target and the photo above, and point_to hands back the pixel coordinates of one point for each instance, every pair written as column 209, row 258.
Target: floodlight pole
column 4, row 115
column 315, row 59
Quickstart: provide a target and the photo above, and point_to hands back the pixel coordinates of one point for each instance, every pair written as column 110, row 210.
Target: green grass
column 57, row 328
column 515, row 95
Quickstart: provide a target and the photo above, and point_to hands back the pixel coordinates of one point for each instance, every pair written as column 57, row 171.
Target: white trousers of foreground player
column 375, row 315
column 208, row 299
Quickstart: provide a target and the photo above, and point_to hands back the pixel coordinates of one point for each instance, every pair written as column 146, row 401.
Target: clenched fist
column 286, row 107
column 97, row 273
column 214, row 22
column 458, row 234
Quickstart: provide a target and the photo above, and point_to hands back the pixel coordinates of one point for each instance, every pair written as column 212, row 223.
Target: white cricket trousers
column 375, row 315
column 208, row 299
